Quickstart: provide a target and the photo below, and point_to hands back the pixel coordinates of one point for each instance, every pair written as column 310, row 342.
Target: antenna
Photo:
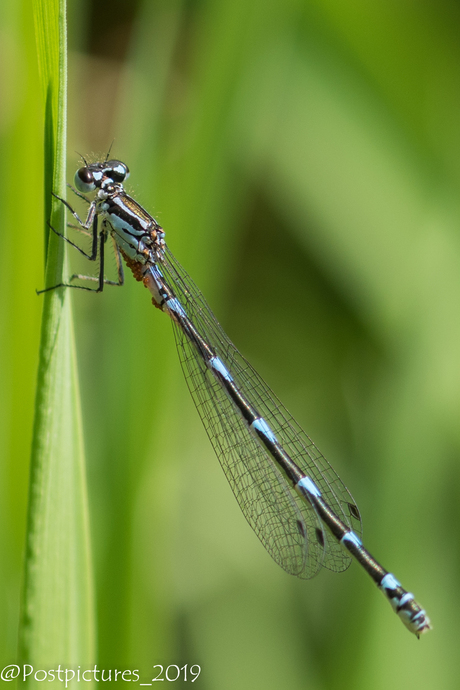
column 83, row 158
column 108, row 152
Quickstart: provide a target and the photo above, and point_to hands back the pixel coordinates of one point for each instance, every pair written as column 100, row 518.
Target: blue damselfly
column 294, row 501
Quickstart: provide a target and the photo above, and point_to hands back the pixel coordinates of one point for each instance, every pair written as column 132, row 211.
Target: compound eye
column 117, row 170
column 84, row 180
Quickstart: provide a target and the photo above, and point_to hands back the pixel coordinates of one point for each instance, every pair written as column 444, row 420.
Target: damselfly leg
column 89, row 227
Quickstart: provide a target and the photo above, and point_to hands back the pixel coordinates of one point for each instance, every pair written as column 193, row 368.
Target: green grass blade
column 57, row 624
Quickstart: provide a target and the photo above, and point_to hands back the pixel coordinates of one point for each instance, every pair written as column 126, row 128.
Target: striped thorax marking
column 133, row 229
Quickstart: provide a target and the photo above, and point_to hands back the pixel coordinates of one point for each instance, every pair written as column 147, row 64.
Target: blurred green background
column 303, row 158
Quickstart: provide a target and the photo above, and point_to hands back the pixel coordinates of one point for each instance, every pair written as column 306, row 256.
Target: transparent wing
column 259, row 487
column 288, row 527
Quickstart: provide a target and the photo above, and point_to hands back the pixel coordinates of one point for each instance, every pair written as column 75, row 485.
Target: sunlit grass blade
column 57, row 624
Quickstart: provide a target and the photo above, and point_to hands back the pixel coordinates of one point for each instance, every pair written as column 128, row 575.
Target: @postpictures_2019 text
column 69, row 675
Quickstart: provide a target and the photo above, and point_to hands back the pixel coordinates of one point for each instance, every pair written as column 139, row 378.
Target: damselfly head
column 91, row 176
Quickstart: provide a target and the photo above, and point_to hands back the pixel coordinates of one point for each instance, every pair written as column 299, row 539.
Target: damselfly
column 294, row 501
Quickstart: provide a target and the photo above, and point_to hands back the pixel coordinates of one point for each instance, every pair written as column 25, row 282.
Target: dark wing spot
column 301, row 528
column 320, row 536
column 354, row 512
